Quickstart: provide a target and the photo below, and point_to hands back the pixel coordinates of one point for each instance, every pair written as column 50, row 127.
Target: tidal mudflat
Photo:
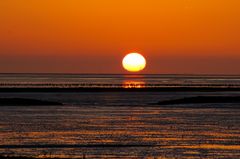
column 120, row 132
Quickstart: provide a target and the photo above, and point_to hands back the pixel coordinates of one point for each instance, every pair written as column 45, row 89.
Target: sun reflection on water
column 133, row 84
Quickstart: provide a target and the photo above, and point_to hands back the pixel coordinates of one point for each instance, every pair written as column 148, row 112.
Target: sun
column 134, row 62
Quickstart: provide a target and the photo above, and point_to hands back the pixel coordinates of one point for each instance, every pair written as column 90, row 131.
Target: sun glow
column 134, row 62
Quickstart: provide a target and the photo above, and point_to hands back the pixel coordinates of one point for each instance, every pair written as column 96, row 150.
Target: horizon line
column 186, row 74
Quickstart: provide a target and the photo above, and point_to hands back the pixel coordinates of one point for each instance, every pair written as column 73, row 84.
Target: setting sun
column 134, row 62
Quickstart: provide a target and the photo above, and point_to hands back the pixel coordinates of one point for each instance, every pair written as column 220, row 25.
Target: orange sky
column 92, row 36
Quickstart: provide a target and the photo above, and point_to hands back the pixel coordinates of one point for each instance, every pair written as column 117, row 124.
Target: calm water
column 118, row 124
column 111, row 81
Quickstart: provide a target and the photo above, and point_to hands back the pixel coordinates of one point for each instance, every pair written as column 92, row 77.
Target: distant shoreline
column 159, row 89
column 191, row 102
column 26, row 102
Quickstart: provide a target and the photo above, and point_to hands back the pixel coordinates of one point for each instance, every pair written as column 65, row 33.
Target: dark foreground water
column 119, row 125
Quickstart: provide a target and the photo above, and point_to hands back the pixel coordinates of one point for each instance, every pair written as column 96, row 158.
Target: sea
column 119, row 124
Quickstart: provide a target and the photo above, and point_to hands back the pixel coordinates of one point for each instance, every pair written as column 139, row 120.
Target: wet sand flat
column 120, row 132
